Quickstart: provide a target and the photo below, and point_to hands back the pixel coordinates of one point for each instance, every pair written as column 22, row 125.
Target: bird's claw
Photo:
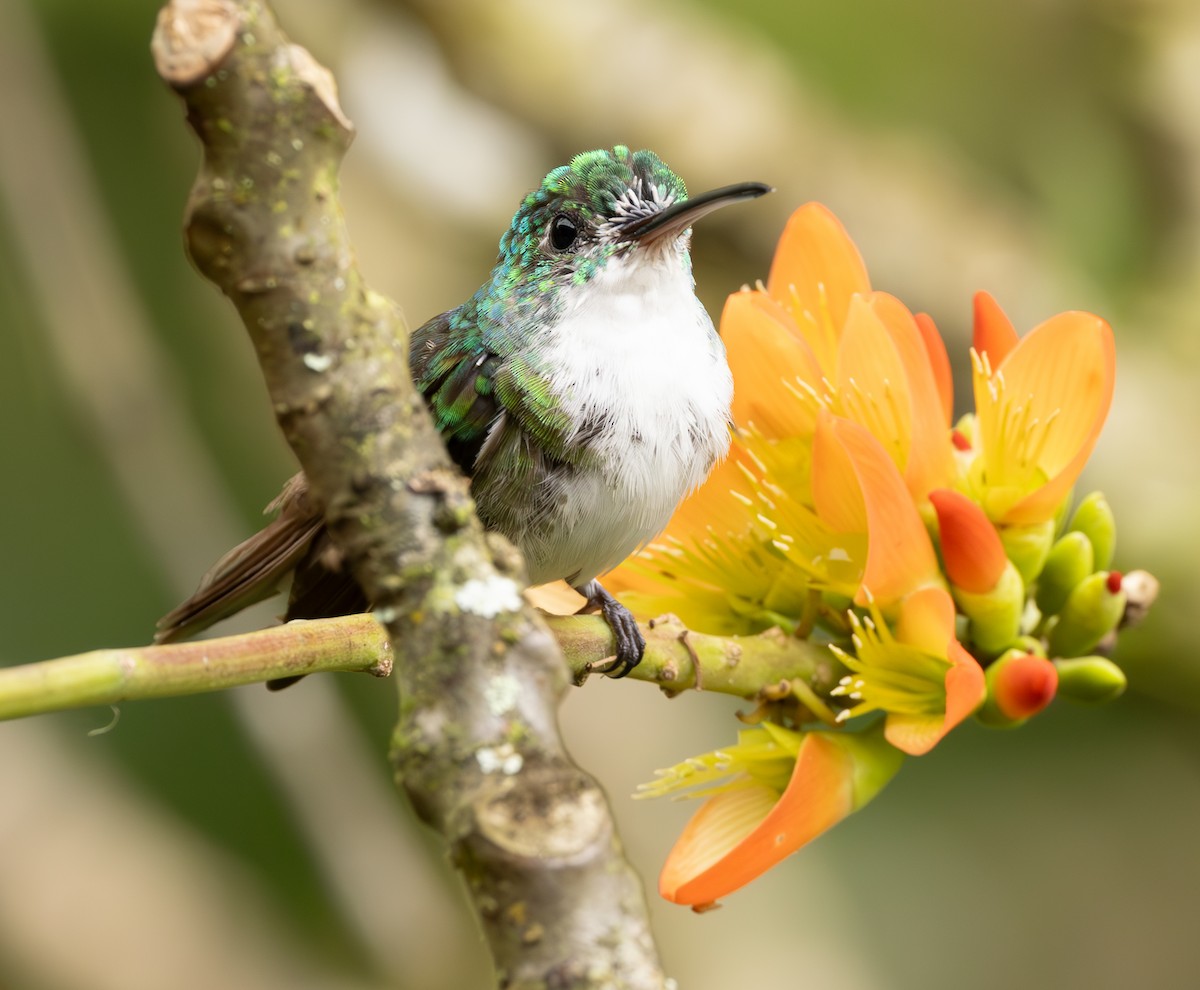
column 631, row 645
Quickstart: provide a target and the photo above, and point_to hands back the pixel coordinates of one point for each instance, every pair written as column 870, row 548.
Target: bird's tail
column 254, row 569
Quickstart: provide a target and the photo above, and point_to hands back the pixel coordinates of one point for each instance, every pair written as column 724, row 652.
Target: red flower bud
column 971, row 549
column 1023, row 685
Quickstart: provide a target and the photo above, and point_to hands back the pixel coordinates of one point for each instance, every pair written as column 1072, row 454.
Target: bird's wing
column 453, row 368
column 475, row 387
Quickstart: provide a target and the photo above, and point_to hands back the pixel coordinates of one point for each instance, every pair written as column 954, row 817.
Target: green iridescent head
column 602, row 205
column 572, row 222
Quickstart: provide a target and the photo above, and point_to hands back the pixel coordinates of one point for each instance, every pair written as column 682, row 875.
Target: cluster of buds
column 938, row 561
column 1042, row 618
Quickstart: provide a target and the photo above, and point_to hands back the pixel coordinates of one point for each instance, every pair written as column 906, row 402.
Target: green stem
column 737, row 665
column 109, row 677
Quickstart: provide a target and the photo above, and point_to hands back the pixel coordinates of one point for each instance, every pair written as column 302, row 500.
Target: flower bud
column 1090, row 679
column 1094, row 519
column 1092, row 610
column 972, row 553
column 1019, row 686
column 1070, row 561
column 995, row 616
column 1028, row 546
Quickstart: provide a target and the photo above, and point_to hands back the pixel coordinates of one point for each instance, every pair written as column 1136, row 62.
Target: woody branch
column 477, row 673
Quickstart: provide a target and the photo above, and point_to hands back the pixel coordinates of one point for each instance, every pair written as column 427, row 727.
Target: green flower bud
column 1090, row 679
column 1070, row 561
column 995, row 616
column 1028, row 546
column 1091, row 611
column 1095, row 520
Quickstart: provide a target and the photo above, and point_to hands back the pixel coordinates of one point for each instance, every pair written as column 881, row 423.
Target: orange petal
column 971, row 549
column 994, row 333
column 765, row 349
column 900, row 556
column 965, row 685
column 930, row 462
column 836, row 492
column 816, row 270
column 1066, row 367
column 939, row 364
column 927, row 622
column 712, row 505
column 872, row 382
column 739, row 834
column 556, row 598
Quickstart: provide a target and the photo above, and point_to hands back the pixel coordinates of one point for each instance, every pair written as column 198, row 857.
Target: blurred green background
column 1047, row 152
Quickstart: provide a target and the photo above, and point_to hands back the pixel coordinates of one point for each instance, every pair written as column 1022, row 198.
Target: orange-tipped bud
column 971, row 549
column 1019, row 686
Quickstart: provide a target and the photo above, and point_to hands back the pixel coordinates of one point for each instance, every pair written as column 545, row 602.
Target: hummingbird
column 582, row 388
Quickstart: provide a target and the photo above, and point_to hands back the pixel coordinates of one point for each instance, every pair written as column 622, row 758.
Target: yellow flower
column 1040, row 403
column 919, row 675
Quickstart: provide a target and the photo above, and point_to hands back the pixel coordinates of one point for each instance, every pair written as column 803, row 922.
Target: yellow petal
column 815, row 271
column 1067, row 368
column 926, row 620
column 765, row 349
column 872, row 384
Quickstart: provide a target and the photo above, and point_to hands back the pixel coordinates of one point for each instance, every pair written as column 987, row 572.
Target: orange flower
column 1040, row 403
column 819, row 332
column 775, row 790
column 843, row 461
column 815, row 345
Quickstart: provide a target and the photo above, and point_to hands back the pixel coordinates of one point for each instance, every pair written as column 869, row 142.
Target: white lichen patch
column 501, row 694
column 488, row 597
column 318, row 362
column 500, row 759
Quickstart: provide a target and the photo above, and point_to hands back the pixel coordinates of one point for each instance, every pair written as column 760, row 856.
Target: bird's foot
column 630, row 643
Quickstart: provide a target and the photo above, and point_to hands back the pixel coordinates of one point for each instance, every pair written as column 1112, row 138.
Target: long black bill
column 675, row 219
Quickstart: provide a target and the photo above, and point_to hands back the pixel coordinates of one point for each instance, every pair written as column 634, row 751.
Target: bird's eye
column 562, row 232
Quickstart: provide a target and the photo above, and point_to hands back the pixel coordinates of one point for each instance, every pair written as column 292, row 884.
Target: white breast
column 640, row 370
